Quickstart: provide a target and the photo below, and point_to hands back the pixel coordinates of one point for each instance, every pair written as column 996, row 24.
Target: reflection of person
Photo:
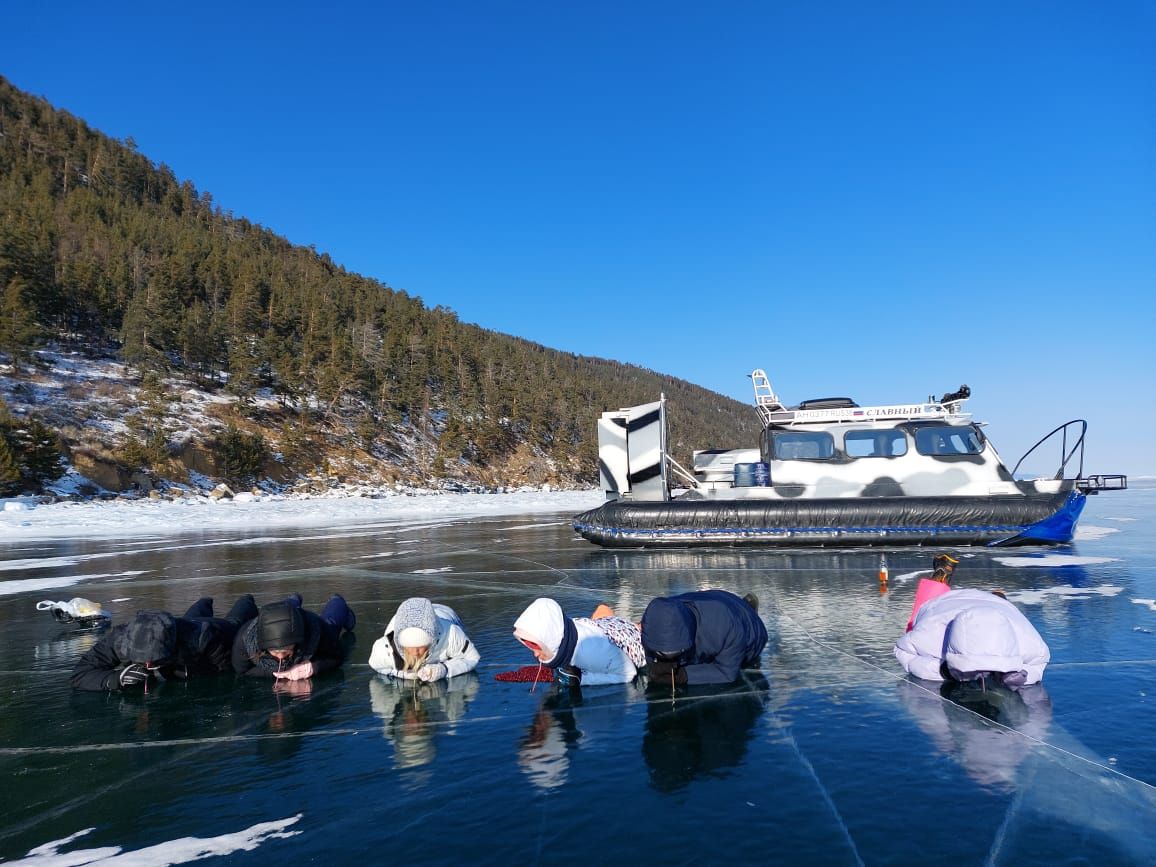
column 287, row 642
column 543, row 753
column 579, row 649
column 295, row 707
column 971, row 634
column 424, row 640
column 990, row 755
column 414, row 715
column 155, row 643
column 567, row 721
column 706, row 636
column 703, row 733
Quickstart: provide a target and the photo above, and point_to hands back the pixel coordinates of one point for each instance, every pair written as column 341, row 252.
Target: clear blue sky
column 880, row 200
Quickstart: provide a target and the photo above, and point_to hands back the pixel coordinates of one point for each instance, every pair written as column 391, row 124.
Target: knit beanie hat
column 416, row 623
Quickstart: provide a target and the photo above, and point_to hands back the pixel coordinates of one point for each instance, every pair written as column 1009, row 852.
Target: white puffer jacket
column 972, row 631
column 451, row 646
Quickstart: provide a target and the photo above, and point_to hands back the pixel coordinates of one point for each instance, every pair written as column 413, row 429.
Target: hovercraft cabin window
column 874, row 443
column 948, row 440
column 803, row 446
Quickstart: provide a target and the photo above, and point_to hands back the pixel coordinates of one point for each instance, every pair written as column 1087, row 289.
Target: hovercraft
column 831, row 473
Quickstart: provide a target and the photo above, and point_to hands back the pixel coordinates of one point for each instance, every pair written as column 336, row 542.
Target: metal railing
column 1066, row 454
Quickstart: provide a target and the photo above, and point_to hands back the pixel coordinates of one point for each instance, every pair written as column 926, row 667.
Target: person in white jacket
column 969, row 634
column 579, row 649
column 424, row 641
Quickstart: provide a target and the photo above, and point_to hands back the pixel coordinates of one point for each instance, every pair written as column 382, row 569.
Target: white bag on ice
column 78, row 609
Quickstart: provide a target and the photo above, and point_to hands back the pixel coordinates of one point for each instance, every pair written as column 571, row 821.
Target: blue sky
column 880, row 200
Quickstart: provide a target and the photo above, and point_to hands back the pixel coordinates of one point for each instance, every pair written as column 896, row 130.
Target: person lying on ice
column 580, row 650
column 156, row 644
column 425, row 641
column 287, row 642
column 972, row 634
column 707, row 636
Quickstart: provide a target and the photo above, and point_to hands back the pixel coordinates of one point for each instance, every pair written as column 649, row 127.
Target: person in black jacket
column 287, row 642
column 706, row 636
column 156, row 644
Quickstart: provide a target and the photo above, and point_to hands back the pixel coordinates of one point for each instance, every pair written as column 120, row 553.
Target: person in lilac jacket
column 967, row 635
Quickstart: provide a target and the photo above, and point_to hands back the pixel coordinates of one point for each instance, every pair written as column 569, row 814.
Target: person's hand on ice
column 432, row 671
column 134, row 675
column 297, row 672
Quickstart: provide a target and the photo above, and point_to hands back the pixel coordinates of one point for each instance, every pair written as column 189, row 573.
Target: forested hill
column 311, row 367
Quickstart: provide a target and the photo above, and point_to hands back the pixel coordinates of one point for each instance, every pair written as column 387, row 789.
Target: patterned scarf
column 624, row 635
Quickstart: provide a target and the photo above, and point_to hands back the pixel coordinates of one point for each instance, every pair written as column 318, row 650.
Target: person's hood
column 668, row 626
column 150, row 637
column 280, row 624
column 416, row 623
column 543, row 623
column 981, row 639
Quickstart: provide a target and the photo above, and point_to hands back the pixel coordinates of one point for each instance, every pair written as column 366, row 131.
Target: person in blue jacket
column 706, row 636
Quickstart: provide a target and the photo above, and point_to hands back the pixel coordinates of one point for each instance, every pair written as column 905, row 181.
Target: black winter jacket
column 321, row 646
column 180, row 647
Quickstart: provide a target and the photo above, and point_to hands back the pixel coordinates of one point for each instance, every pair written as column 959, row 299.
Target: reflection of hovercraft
column 83, row 612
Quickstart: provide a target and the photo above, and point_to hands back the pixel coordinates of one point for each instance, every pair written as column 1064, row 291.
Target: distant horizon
column 882, row 204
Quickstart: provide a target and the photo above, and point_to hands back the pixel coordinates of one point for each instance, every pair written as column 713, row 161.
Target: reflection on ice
column 957, row 718
column 566, row 721
column 1008, row 742
column 67, row 645
column 415, row 714
column 704, row 731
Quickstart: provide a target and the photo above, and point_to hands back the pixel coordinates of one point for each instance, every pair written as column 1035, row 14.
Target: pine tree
column 37, row 451
column 18, row 330
column 243, row 455
column 9, row 469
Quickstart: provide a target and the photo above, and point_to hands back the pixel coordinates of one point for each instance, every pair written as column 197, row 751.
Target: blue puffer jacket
column 717, row 631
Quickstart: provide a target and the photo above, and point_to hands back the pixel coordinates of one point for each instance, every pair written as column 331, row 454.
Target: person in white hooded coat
column 425, row 641
column 971, row 634
column 579, row 649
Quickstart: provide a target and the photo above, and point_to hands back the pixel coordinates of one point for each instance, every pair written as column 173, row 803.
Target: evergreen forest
column 106, row 253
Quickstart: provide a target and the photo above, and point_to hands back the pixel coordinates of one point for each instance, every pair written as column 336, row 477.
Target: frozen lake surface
column 827, row 754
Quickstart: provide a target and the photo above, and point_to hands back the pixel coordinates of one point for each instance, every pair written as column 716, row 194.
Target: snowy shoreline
column 22, row 519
